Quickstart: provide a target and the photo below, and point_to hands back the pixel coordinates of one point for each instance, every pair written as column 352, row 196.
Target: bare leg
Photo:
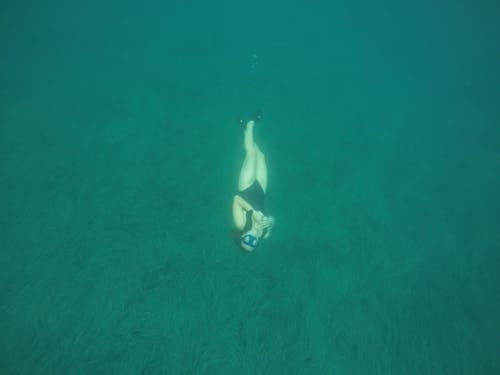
column 249, row 168
column 261, row 169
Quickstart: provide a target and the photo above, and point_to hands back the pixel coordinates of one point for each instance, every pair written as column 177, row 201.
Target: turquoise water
column 120, row 153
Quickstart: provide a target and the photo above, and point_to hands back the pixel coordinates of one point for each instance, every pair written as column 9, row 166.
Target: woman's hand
column 263, row 222
column 257, row 216
column 267, row 223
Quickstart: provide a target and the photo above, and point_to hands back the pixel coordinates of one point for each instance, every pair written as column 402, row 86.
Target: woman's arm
column 240, row 207
column 242, row 203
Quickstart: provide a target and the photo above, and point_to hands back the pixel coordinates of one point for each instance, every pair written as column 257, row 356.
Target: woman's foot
column 244, row 126
column 258, row 116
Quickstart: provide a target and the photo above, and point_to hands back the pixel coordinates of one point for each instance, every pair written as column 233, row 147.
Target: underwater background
column 119, row 156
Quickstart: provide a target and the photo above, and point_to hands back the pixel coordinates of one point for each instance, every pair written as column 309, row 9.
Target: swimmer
column 250, row 221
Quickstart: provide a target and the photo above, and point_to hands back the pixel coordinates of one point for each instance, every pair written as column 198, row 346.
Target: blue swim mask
column 251, row 241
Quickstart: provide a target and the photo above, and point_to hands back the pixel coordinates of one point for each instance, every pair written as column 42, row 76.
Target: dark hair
column 236, row 236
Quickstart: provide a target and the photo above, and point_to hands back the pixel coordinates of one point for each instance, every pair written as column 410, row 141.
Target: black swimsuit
column 255, row 196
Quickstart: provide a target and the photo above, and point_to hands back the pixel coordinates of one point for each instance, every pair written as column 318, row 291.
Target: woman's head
column 249, row 240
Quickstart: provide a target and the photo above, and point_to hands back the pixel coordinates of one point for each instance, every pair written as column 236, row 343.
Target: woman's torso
column 255, row 196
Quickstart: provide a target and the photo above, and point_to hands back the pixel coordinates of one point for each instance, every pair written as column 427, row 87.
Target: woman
column 248, row 204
